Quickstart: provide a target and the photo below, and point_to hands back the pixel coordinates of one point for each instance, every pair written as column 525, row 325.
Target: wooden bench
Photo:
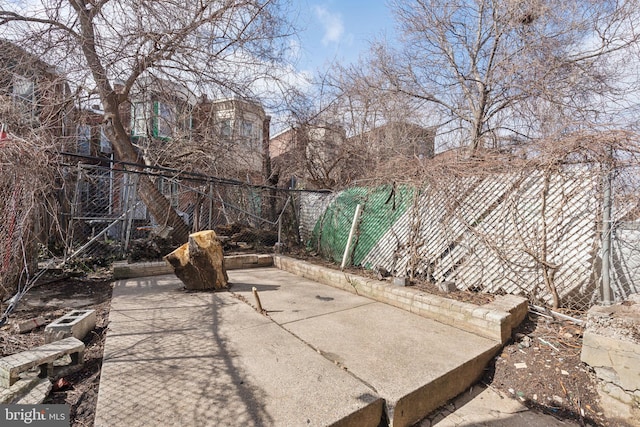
column 43, row 357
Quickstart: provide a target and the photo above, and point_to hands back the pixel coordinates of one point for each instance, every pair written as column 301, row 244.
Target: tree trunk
column 548, row 270
column 156, row 203
column 199, row 264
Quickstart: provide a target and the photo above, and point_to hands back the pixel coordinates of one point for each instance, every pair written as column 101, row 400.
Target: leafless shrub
column 27, row 177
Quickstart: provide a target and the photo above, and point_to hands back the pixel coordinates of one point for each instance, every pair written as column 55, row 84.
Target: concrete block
column 461, row 307
column 447, row 287
column 122, row 270
column 265, row 260
column 31, row 390
column 447, row 304
column 29, row 325
column 497, row 317
column 364, row 289
column 616, row 410
column 401, row 281
column 76, row 323
column 247, row 259
column 36, row 394
column 515, row 305
column 621, row 358
column 42, row 357
column 9, row 395
column 480, row 313
column 611, row 346
column 237, row 262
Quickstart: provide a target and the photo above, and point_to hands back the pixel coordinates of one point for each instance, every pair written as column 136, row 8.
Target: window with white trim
column 139, row 119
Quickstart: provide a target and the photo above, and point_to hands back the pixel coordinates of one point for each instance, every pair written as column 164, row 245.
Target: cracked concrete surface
column 483, row 406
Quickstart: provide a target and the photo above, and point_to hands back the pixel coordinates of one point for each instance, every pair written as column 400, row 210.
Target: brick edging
column 123, row 270
column 495, row 320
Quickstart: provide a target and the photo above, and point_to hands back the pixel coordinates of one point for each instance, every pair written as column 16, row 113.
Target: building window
column 139, row 125
column 105, row 144
column 247, row 129
column 170, row 190
column 23, row 93
column 164, row 118
column 84, row 140
column 225, row 128
column 250, row 132
column 23, row 89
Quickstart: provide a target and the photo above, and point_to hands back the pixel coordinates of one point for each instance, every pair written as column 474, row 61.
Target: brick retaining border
column 495, row 320
column 123, row 270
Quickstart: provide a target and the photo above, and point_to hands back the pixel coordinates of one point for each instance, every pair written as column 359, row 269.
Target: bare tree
column 505, row 69
column 212, row 47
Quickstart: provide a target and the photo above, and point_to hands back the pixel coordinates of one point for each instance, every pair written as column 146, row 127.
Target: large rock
column 200, row 262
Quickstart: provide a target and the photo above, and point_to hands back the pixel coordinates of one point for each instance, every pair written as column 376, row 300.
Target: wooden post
column 257, row 297
column 354, row 225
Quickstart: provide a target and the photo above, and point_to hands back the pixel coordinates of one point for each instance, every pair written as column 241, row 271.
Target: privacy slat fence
column 515, row 232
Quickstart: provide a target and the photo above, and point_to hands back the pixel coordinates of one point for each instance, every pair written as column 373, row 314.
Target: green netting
column 381, row 207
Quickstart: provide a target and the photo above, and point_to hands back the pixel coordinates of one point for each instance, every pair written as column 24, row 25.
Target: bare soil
column 52, row 300
column 541, row 365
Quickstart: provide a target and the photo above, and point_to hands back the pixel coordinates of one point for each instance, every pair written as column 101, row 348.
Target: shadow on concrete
column 246, row 287
column 170, row 364
column 139, row 286
column 237, row 388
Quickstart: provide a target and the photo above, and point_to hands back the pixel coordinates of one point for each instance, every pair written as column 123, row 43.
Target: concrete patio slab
column 290, row 298
column 415, row 364
column 201, row 359
column 322, row 356
column 486, row 407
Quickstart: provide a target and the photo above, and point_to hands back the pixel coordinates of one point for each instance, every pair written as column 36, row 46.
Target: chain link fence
column 106, row 219
column 27, row 196
column 563, row 236
column 85, row 213
column 562, row 233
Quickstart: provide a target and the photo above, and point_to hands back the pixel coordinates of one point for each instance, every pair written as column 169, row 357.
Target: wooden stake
column 257, row 297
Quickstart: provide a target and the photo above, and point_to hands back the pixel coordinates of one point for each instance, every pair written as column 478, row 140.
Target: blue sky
column 338, row 30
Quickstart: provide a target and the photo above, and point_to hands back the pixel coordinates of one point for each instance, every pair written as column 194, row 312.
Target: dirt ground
column 540, row 366
column 52, row 300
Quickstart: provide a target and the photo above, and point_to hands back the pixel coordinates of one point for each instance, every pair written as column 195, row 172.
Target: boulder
column 199, row 264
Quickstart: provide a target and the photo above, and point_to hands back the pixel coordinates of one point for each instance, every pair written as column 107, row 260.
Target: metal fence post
column 606, row 238
column 131, row 201
column 352, row 231
column 73, row 211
